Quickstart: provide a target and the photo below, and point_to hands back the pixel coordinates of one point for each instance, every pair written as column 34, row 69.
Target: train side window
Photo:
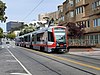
column 50, row 37
column 38, row 37
column 28, row 38
column 25, row 38
column 32, row 37
column 22, row 39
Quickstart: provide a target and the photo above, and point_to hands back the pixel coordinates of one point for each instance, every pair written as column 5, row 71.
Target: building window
column 71, row 13
column 78, row 1
column 95, row 4
column 71, row 3
column 85, row 23
column 99, row 2
column 79, row 10
column 61, row 18
column 88, row 23
column 76, row 11
column 96, row 39
column 91, row 39
column 96, row 22
column 99, row 38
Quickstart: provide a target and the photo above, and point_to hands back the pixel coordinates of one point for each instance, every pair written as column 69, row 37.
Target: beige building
column 41, row 16
column 84, row 11
column 61, row 14
column 50, row 15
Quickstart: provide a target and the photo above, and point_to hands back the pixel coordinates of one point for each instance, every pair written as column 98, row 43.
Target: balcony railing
column 82, row 42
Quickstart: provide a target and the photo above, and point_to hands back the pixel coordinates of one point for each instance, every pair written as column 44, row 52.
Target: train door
column 51, row 43
column 45, row 40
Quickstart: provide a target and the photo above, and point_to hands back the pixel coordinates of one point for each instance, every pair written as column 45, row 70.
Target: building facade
column 60, row 15
column 12, row 24
column 41, row 16
column 86, row 12
column 54, row 15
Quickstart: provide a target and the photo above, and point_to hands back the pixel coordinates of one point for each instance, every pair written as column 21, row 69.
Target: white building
column 17, row 33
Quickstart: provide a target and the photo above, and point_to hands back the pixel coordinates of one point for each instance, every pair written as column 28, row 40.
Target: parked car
column 7, row 42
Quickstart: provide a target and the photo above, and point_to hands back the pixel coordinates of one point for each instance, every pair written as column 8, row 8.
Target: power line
column 33, row 9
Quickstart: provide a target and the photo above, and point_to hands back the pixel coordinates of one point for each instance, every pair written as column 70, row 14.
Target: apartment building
column 60, row 14
column 86, row 12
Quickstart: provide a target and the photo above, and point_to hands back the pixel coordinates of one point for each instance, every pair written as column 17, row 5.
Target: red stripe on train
column 45, row 45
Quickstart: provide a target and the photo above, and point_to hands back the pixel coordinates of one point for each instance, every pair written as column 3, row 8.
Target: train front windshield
column 60, row 34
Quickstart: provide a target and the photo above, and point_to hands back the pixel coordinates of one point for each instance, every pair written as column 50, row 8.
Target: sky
column 28, row 10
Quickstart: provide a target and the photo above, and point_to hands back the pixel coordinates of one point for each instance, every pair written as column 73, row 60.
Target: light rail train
column 53, row 38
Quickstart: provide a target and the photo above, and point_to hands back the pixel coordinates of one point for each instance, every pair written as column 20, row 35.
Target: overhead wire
column 33, row 9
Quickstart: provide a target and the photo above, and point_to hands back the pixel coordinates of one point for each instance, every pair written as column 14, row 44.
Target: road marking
column 19, row 62
column 2, row 46
column 11, row 61
column 68, row 60
column 8, row 55
column 8, row 46
column 18, row 74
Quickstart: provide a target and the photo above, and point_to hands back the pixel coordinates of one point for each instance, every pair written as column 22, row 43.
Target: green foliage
column 27, row 29
column 1, row 30
column 2, row 11
column 11, row 35
column 1, row 33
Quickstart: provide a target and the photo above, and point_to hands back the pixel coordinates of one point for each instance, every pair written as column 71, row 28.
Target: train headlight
column 57, row 44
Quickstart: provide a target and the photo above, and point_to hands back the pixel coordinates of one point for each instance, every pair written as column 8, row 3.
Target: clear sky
column 18, row 10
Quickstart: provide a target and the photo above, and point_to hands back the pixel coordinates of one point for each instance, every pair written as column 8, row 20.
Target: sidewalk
column 94, row 53
column 96, row 49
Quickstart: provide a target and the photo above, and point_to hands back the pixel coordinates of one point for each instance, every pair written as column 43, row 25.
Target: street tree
column 2, row 11
column 75, row 30
column 11, row 35
column 1, row 33
column 27, row 28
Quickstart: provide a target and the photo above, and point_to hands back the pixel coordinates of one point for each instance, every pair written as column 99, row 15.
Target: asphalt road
column 16, row 60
